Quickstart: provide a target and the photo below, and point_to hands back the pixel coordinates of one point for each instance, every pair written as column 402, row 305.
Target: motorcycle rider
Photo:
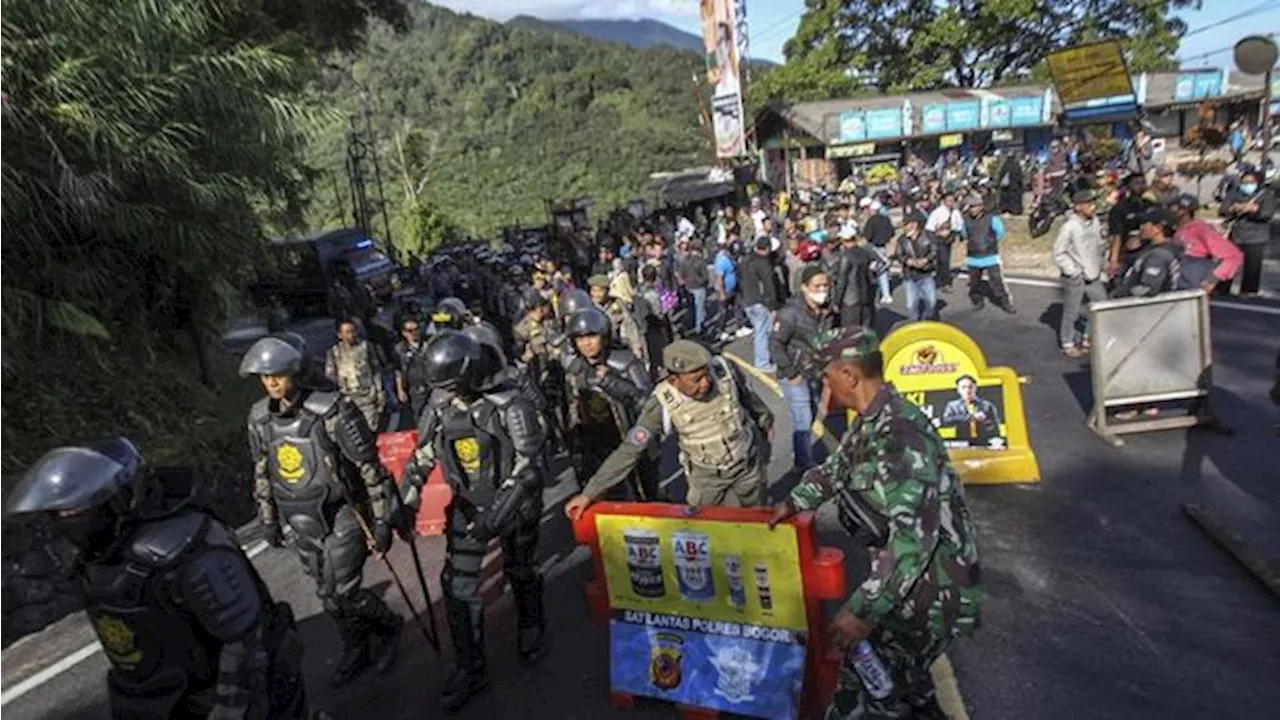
column 185, row 620
column 316, row 471
column 491, row 445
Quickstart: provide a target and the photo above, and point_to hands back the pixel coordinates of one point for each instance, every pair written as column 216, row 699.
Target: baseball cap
column 1188, row 201
column 864, row 202
column 763, row 243
column 1159, row 215
column 1083, row 196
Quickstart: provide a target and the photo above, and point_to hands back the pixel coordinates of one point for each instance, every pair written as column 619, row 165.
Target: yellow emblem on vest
column 117, row 640
column 468, row 452
column 289, row 460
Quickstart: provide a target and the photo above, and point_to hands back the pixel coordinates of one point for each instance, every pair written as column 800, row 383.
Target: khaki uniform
column 358, row 372
column 721, row 439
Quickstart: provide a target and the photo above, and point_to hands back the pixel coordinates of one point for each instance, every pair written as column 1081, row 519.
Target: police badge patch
column 638, row 436
column 665, row 661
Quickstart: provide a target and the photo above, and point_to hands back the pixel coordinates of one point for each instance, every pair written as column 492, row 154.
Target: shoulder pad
column 503, row 395
column 321, row 403
column 158, row 543
column 260, row 411
column 620, row 360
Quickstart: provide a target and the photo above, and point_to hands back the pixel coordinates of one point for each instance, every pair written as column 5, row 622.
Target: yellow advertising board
column 950, row 141
column 703, row 569
column 1090, row 72
column 976, row 409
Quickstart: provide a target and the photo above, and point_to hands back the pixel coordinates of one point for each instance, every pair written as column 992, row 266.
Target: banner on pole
column 720, row 39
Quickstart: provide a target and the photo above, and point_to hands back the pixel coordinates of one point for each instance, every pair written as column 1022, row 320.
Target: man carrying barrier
column 892, row 480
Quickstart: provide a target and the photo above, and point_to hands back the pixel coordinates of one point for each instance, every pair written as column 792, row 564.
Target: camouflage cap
column 685, row 356
column 600, row 281
column 844, row 343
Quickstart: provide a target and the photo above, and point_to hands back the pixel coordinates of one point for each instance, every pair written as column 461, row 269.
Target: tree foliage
column 899, row 45
column 491, row 119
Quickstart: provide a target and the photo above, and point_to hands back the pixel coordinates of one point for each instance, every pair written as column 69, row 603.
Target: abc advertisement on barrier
column 706, row 613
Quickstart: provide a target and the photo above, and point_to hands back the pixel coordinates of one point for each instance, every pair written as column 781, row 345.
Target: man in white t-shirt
column 945, row 225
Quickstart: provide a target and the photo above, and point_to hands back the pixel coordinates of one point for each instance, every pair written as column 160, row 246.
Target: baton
column 431, row 638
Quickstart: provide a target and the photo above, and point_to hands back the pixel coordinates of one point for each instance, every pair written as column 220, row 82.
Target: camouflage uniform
column 924, row 588
column 358, row 372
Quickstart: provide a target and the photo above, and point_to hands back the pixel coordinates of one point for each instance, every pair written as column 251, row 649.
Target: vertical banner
column 720, row 41
column 706, row 613
column 744, row 39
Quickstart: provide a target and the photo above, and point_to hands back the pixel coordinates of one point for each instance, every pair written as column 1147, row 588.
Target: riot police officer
column 451, row 314
column 490, row 444
column 316, row 471
column 538, row 343
column 185, row 620
column 606, row 386
column 497, row 370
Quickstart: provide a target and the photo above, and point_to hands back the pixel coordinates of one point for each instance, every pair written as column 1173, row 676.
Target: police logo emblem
column 638, row 437
column 117, row 640
column 468, row 452
column 289, row 461
column 666, row 660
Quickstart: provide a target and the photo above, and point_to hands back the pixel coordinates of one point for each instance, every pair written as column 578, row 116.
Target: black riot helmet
column 87, row 490
column 590, row 321
column 274, row 355
column 450, row 313
column 495, row 360
column 454, row 362
column 573, row 301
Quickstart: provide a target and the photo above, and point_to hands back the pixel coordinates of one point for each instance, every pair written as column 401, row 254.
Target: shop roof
column 1160, row 87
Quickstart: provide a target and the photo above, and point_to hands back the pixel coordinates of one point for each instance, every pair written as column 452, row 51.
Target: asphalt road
column 1104, row 601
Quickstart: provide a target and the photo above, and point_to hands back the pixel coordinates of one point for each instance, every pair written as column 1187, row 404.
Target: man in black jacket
column 918, row 256
column 853, row 282
column 795, row 329
column 760, row 296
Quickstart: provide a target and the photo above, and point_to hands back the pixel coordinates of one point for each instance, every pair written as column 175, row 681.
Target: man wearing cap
column 878, row 230
column 1123, row 224
column 943, row 225
column 1079, row 251
column 893, row 484
column 918, row 255
column 853, row 281
column 722, row 427
column 1157, row 268
column 983, row 233
column 1209, row 261
column 625, row 328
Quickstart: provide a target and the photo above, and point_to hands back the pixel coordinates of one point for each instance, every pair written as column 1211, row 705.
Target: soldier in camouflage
column 356, row 366
column 891, row 479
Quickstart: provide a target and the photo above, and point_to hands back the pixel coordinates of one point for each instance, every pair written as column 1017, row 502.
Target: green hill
column 492, row 119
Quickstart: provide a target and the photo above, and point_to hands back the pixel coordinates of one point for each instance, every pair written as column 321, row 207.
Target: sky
column 772, row 22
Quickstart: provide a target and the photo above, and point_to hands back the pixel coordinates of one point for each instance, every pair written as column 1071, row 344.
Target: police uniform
column 358, row 372
column 490, row 444
column 602, row 407
column 184, row 619
column 626, row 331
column 721, row 436
column 316, row 470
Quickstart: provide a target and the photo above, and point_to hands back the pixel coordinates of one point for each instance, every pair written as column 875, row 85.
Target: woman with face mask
column 795, row 328
column 1249, row 208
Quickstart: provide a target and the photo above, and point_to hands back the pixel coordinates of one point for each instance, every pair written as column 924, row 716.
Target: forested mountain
column 492, row 119
column 636, row 33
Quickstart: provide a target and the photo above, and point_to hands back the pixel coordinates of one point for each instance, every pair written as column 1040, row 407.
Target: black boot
column 385, row 627
column 355, row 649
column 531, row 638
column 470, row 676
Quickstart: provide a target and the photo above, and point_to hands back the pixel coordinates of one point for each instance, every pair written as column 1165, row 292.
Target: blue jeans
column 699, row 307
column 799, row 397
column 883, row 278
column 761, row 322
column 921, row 288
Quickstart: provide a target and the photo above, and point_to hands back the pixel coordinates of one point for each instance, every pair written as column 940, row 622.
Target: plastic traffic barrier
column 711, row 610
column 394, row 450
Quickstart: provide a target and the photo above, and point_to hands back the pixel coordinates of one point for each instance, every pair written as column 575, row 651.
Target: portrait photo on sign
column 972, row 416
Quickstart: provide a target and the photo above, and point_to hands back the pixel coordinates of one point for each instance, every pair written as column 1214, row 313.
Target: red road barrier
column 729, row 537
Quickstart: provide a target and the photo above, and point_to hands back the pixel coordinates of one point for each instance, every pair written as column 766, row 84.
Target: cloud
column 576, row 9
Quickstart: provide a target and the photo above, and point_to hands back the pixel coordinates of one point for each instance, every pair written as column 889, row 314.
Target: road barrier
column 711, row 610
column 394, row 450
column 1147, row 351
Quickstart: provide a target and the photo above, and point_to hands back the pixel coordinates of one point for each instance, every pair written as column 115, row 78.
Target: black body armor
column 305, row 465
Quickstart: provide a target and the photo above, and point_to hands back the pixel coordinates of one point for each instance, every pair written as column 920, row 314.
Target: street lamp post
column 1256, row 55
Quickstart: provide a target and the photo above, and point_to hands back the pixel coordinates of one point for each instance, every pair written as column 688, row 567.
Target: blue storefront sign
column 1197, row 86
column 1026, row 110
column 933, row 119
column 999, row 114
column 853, row 126
column 884, row 123
column 963, row 115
